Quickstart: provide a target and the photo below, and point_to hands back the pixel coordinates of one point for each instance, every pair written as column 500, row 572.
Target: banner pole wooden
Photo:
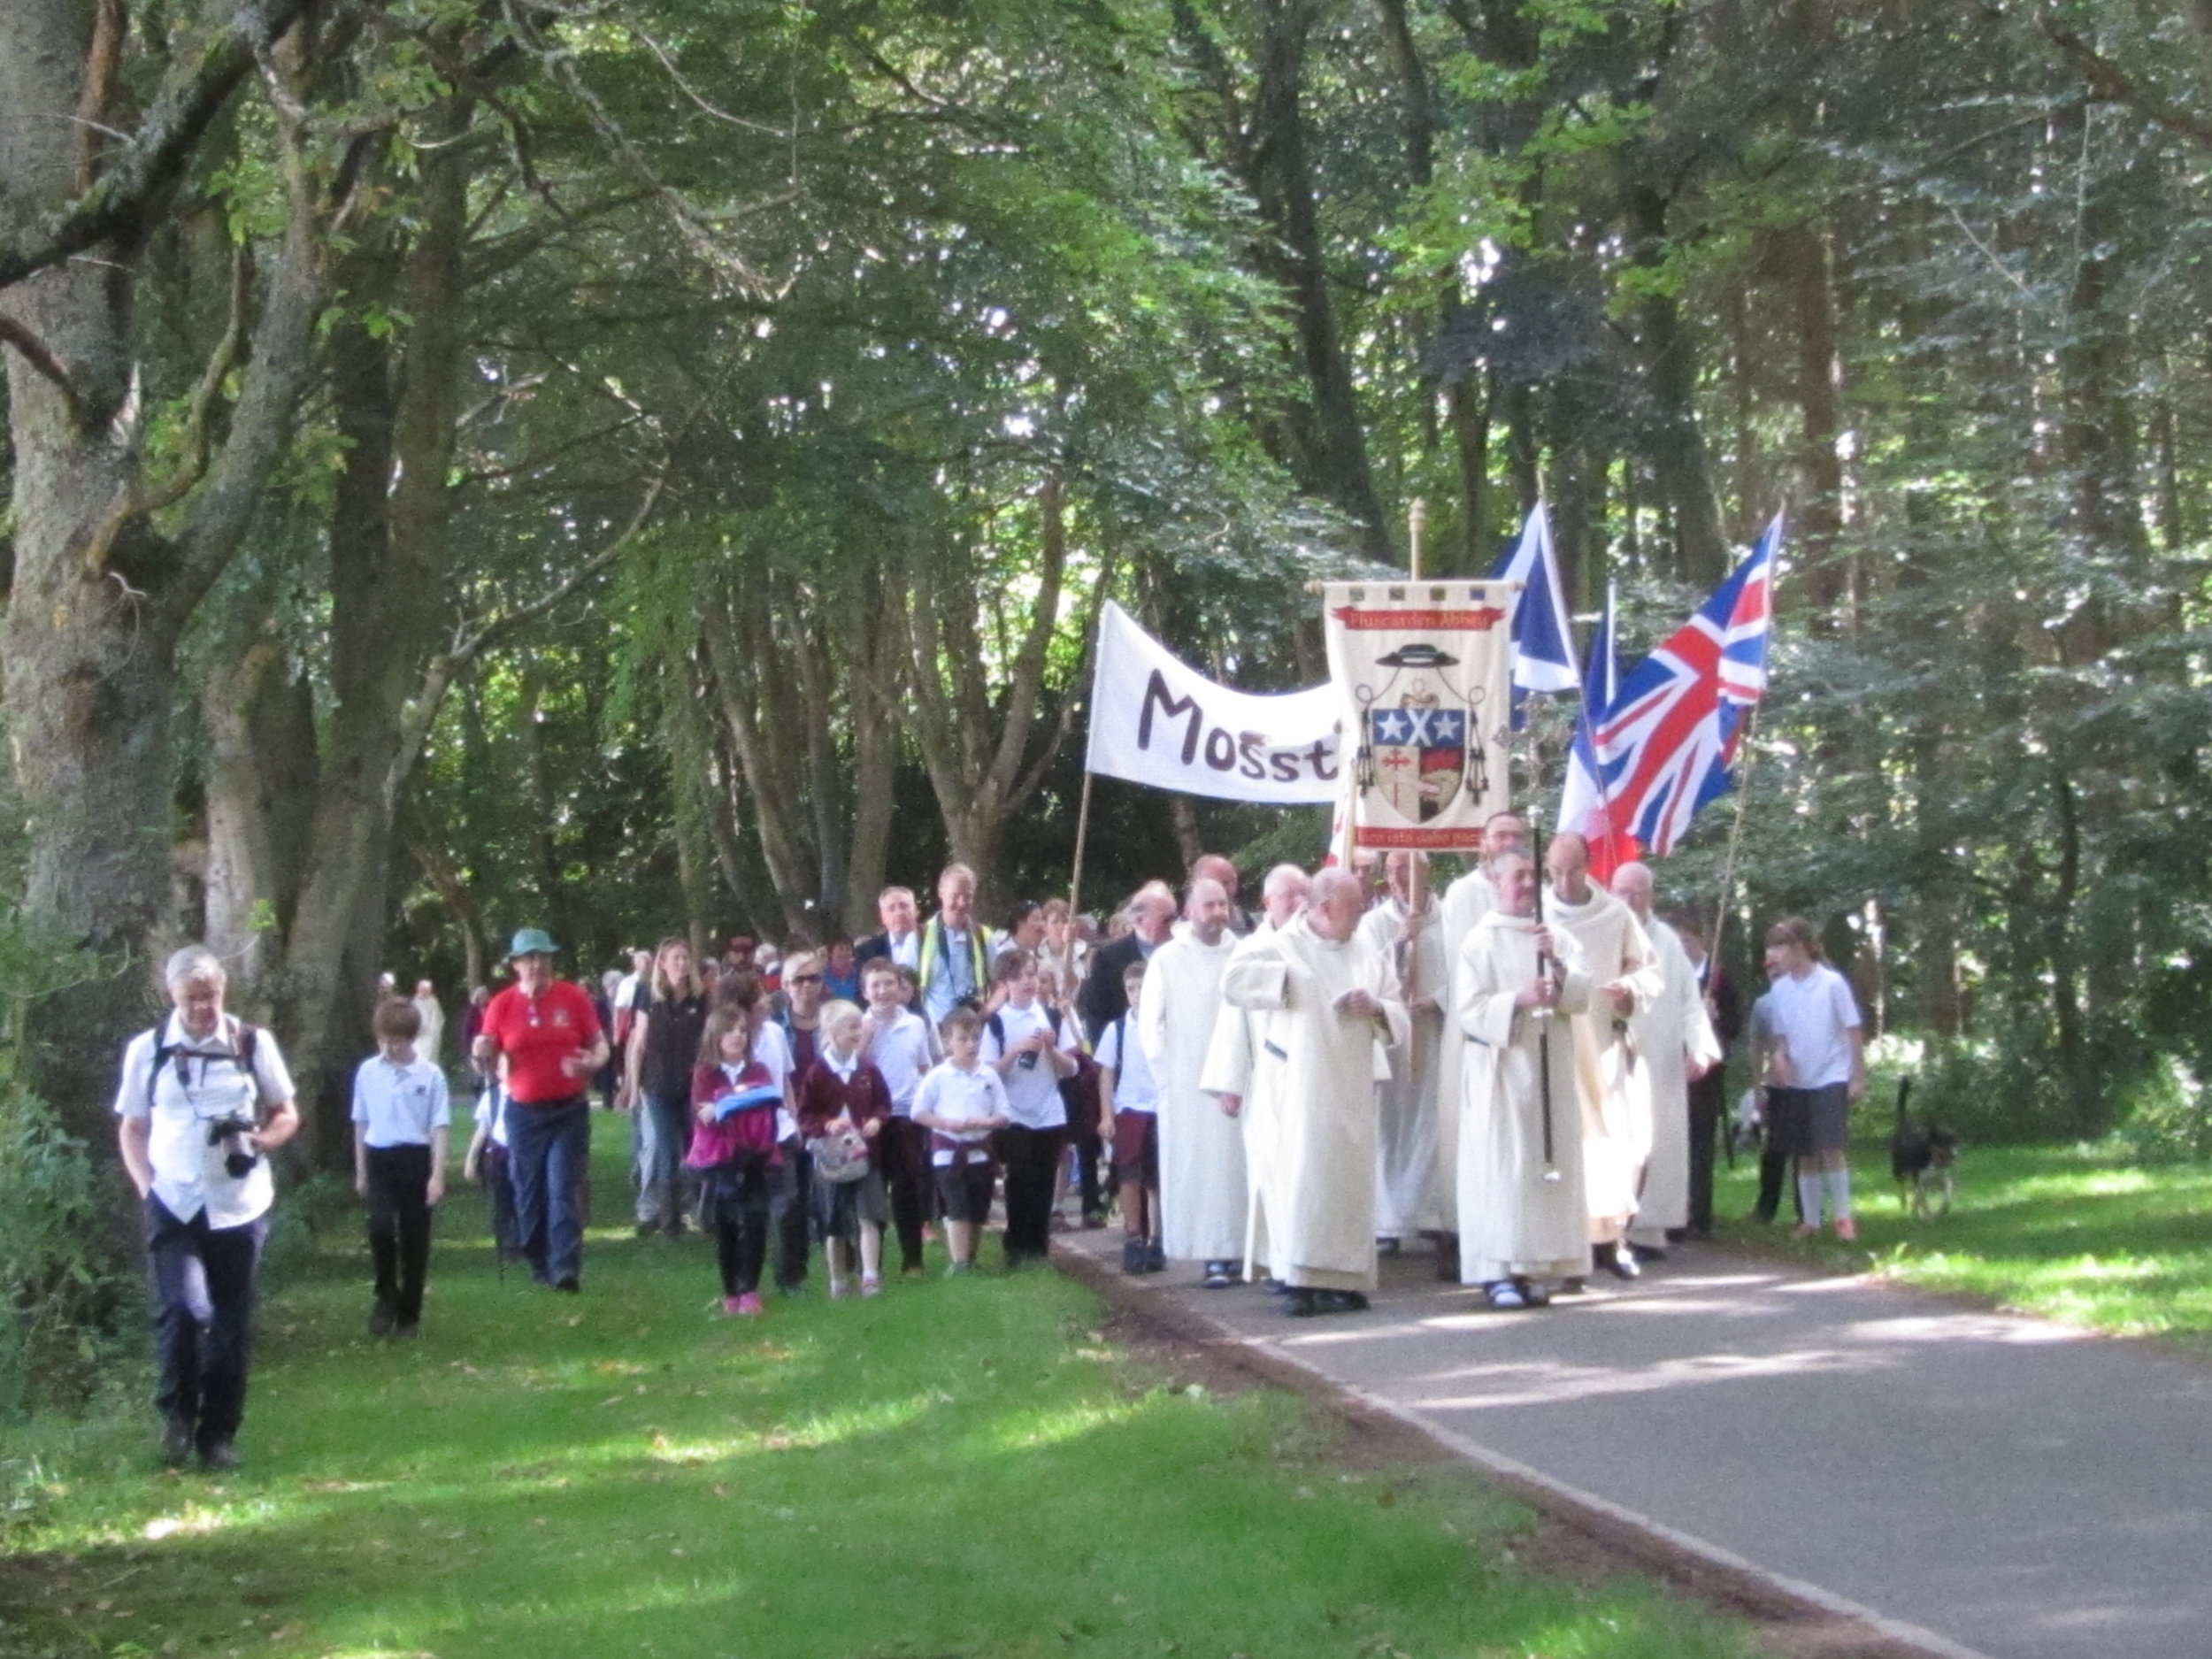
column 1417, row 877
column 1735, row 836
column 1082, row 832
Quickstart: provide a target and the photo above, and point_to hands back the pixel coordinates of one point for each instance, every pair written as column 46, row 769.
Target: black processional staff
column 1546, row 973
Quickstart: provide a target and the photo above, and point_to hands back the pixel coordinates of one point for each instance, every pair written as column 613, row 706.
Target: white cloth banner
column 1157, row 722
column 1421, row 669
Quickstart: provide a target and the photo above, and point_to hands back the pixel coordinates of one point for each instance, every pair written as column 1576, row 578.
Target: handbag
column 840, row 1156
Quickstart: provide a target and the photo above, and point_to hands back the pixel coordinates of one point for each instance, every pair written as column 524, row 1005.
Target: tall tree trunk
column 259, row 718
column 99, row 600
column 1679, row 461
column 1806, row 257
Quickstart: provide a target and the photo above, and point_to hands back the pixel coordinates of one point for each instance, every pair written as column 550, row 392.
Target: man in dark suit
column 901, row 939
column 1709, row 1095
column 1103, row 1000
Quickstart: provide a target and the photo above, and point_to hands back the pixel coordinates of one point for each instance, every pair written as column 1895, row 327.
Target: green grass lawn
column 2074, row 1233
column 961, row 1467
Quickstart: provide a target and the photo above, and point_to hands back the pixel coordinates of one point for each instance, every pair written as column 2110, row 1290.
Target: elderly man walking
column 1466, row 902
column 1520, row 1140
column 1103, row 1000
column 955, row 957
column 1610, row 1082
column 1228, row 1072
column 1201, row 1149
column 1327, row 997
column 1406, row 1103
column 1676, row 1042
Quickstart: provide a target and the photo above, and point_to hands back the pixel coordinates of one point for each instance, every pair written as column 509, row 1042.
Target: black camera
column 240, row 1163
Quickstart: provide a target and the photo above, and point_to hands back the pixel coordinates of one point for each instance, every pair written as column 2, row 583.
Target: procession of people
column 1505, row 1072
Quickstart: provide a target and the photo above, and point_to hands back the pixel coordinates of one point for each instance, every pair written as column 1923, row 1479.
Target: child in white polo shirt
column 400, row 1114
column 960, row 1102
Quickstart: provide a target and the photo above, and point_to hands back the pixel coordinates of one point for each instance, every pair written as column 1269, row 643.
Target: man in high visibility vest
column 956, row 949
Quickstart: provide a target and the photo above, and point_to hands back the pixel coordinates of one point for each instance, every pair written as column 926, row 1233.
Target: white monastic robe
column 433, row 1033
column 1315, row 1064
column 1671, row 1034
column 1228, row 1071
column 1615, row 1097
column 1406, row 1103
column 1524, row 1218
column 1202, row 1198
column 1466, row 902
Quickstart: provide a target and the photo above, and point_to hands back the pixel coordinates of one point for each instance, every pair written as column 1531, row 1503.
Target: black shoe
column 647, row 1229
column 567, row 1284
column 1536, row 1295
column 1622, row 1262
column 176, row 1441
column 1154, row 1259
column 1136, row 1258
column 1219, row 1275
column 1648, row 1252
column 1343, row 1302
column 218, row 1457
column 406, row 1331
column 1275, row 1287
column 1572, row 1286
column 381, row 1320
column 1447, row 1257
column 1301, row 1302
column 1388, row 1247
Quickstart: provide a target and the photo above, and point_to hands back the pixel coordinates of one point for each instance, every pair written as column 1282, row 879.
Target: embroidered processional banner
column 1420, row 670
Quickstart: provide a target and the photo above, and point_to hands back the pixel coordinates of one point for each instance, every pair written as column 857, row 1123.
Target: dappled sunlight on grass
column 958, row 1466
column 2080, row 1234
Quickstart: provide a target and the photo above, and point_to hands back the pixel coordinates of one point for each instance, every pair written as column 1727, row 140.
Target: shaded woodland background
column 645, row 465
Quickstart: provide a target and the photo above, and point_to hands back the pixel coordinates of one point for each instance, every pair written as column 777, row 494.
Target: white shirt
column 1032, row 1087
column 189, row 1091
column 904, row 949
column 773, row 1048
column 491, row 1113
column 1813, row 1017
column 901, row 1051
column 961, row 1097
column 1134, row 1089
column 399, row 1105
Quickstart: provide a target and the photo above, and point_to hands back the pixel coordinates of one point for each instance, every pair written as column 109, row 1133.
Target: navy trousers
column 549, row 1154
column 205, row 1289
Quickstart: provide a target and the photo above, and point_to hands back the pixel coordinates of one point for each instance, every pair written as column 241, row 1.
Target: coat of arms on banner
column 1415, row 754
column 1420, row 668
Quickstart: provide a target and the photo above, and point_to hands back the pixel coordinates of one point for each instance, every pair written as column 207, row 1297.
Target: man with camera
column 203, row 1096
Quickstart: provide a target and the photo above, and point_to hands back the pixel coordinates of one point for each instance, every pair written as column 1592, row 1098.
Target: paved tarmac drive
column 2015, row 1487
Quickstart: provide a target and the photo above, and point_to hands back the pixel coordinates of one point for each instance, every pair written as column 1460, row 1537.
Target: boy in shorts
column 960, row 1102
column 1131, row 1132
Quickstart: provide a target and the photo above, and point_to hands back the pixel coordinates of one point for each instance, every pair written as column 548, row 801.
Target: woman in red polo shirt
column 548, row 1038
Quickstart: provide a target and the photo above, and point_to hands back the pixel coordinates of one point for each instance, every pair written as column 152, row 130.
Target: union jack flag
column 1669, row 739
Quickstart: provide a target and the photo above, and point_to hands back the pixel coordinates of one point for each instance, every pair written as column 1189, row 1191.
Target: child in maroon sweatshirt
column 839, row 1095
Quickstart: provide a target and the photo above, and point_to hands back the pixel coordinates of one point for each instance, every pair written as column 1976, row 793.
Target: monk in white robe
column 1202, row 1148
column 1674, row 1037
column 1228, row 1074
column 1466, row 902
column 1406, row 1103
column 1326, row 998
column 1520, row 1140
column 1610, row 1083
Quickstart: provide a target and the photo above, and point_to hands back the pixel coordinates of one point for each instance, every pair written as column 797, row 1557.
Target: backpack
column 997, row 1027
column 245, row 1040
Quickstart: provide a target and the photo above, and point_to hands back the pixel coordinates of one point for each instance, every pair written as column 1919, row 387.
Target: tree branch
column 40, row 357
column 219, row 364
column 2111, row 84
column 155, row 159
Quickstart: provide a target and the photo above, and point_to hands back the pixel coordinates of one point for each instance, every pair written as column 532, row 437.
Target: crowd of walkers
column 1521, row 1072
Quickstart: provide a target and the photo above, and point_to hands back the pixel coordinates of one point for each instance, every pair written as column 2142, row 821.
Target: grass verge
column 961, row 1467
column 2082, row 1234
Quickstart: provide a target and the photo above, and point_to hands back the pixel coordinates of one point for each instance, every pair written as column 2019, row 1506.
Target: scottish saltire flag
column 1583, row 804
column 1543, row 648
column 1667, row 743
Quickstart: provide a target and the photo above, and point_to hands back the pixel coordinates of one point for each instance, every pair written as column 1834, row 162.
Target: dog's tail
column 1904, row 1093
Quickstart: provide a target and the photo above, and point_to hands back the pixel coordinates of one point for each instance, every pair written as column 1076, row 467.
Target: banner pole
column 1082, row 832
column 1417, row 876
column 1735, row 836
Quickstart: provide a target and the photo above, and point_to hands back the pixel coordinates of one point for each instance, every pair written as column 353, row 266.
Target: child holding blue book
column 735, row 1146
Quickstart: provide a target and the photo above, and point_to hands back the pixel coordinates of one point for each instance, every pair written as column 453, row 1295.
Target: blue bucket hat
column 532, row 942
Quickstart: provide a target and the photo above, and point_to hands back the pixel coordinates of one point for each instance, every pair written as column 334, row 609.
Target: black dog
column 1921, row 1157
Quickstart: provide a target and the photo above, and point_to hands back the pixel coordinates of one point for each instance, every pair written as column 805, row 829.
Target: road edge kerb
column 1693, row 1563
